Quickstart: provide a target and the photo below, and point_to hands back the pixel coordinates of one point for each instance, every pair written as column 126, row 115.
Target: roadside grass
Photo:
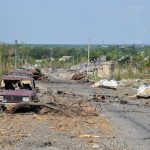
column 94, row 77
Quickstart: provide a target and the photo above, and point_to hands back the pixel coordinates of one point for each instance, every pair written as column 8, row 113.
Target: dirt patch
column 16, row 130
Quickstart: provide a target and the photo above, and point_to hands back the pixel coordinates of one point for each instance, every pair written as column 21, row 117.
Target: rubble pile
column 69, row 104
column 143, row 91
column 78, row 76
column 105, row 83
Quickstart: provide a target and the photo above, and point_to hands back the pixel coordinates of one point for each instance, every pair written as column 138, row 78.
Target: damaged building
column 105, row 69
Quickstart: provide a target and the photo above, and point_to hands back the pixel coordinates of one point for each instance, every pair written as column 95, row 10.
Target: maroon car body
column 28, row 72
column 16, row 89
column 35, row 73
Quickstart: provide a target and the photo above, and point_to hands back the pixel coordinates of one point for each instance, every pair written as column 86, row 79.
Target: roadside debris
column 78, row 76
column 46, row 144
column 88, row 136
column 99, row 98
column 143, row 91
column 123, row 102
column 95, row 146
column 112, row 84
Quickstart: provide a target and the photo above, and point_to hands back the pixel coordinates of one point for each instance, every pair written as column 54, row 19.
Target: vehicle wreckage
column 17, row 89
column 34, row 73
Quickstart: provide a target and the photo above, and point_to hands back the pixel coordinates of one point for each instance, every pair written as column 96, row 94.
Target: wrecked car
column 35, row 73
column 17, row 89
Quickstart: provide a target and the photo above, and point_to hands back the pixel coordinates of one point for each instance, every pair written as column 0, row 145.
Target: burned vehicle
column 17, row 89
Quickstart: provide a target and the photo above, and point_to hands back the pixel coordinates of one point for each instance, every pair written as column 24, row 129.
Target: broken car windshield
column 16, row 84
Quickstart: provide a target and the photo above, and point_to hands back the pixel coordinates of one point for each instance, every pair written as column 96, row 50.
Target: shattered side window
column 10, row 85
column 26, row 84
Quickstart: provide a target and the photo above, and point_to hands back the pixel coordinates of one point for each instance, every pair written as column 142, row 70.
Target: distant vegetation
column 133, row 60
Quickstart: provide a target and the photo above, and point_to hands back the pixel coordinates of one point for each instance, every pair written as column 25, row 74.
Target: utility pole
column 77, row 56
column 16, row 42
column 51, row 59
column 88, row 57
column 73, row 59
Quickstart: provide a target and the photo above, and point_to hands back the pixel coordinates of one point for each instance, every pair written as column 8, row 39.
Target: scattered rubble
column 78, row 76
column 143, row 91
column 95, row 146
column 99, row 98
column 112, row 84
column 70, row 104
column 134, row 83
column 123, row 102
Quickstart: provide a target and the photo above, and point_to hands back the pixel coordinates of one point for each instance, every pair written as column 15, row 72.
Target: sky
column 75, row 21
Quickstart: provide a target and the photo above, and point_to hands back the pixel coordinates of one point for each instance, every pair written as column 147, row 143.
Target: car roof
column 16, row 77
column 21, row 72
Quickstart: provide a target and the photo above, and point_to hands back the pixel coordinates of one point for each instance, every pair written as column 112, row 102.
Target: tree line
column 139, row 56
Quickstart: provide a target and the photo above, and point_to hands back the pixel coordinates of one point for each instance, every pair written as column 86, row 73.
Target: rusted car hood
column 16, row 93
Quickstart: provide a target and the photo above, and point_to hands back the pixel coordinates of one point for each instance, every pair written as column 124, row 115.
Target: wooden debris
column 88, row 136
column 78, row 76
column 98, row 98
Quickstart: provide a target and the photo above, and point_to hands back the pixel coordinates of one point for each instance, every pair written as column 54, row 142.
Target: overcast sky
column 75, row 21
